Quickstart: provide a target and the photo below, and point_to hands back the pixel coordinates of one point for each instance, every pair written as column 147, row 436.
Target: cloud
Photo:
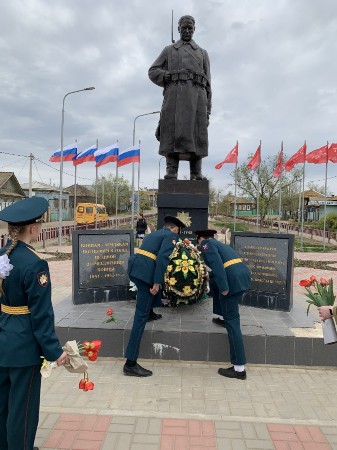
column 273, row 78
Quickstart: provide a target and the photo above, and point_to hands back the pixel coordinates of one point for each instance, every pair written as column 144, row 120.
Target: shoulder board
column 35, row 252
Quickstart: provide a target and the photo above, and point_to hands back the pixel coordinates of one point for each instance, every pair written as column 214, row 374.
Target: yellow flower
column 169, row 268
column 187, row 290
column 172, row 281
column 185, row 269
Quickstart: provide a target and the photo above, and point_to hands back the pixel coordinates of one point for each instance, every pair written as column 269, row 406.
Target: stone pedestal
column 186, row 199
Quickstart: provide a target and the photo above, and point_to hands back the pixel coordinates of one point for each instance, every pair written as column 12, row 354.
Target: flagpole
column 302, row 206
column 258, row 195
column 325, row 192
column 235, row 184
column 75, row 189
column 280, row 192
column 138, row 204
column 96, row 186
column 116, row 216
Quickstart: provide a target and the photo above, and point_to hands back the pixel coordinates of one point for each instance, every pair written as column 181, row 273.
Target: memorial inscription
column 100, row 265
column 270, row 260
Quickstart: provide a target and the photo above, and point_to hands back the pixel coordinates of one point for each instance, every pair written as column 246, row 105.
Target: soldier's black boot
column 172, row 165
column 195, row 169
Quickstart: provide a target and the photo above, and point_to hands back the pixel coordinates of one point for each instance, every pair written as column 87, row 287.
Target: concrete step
column 187, row 333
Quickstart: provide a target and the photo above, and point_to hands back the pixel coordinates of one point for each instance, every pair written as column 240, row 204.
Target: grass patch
column 313, row 247
column 238, row 227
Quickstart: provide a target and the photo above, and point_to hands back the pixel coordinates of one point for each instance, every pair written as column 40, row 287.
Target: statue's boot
column 172, row 165
column 195, row 169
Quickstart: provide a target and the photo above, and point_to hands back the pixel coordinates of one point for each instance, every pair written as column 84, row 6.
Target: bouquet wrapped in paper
column 186, row 278
column 320, row 293
column 76, row 363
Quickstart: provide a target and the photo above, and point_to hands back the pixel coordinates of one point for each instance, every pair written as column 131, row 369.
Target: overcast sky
column 273, row 66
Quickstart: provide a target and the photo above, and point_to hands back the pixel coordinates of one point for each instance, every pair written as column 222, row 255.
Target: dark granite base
column 187, row 333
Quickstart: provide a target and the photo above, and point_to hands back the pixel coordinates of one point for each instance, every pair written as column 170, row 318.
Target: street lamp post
column 133, row 171
column 61, row 162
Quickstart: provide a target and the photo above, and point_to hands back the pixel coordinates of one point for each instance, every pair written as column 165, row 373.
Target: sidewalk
column 187, row 405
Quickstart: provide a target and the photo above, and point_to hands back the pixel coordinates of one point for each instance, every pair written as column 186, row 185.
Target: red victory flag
column 297, row 158
column 279, row 165
column 332, row 153
column 232, row 157
column 256, row 159
column 318, row 156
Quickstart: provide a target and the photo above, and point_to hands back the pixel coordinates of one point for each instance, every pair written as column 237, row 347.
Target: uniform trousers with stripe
column 144, row 303
column 228, row 307
column 19, row 406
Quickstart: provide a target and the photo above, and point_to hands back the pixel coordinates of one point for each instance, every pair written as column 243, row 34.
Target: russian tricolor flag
column 106, row 155
column 85, row 156
column 130, row 155
column 69, row 153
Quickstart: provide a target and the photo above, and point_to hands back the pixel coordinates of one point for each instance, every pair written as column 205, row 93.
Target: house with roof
column 244, row 206
column 83, row 195
column 10, row 189
column 52, row 195
column 314, row 205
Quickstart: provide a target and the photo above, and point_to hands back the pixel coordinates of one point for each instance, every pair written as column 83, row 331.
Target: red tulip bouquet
column 320, row 293
column 76, row 363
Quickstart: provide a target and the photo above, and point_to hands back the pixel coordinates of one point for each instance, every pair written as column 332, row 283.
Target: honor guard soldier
column 146, row 269
column 229, row 278
column 27, row 333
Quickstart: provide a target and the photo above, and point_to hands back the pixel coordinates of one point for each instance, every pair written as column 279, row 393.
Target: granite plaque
column 100, row 259
column 270, row 259
column 187, row 199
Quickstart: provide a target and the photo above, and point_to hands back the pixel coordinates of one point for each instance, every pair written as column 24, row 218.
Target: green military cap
column 175, row 221
column 24, row 212
column 205, row 233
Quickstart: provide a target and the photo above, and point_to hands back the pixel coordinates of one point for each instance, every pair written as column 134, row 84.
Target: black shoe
column 231, row 373
column 218, row 321
column 154, row 316
column 35, row 448
column 136, row 371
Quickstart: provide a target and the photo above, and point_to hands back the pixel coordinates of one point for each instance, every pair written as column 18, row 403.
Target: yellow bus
column 86, row 213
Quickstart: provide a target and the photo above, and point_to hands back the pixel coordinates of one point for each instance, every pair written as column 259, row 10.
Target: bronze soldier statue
column 183, row 70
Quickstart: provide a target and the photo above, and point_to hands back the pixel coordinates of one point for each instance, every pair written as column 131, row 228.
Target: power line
column 55, row 168
column 37, row 170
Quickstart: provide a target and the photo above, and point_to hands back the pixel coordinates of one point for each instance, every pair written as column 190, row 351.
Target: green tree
column 262, row 182
column 106, row 191
column 318, row 188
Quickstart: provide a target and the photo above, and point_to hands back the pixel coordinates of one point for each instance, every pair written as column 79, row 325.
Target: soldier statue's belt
column 148, row 254
column 197, row 78
column 231, row 262
column 15, row 310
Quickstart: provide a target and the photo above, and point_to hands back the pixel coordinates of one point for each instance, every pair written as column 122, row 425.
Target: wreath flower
column 185, row 279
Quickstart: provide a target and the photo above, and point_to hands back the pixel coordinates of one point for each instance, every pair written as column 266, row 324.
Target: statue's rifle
column 173, row 41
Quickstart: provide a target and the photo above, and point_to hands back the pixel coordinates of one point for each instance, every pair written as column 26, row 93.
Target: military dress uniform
column 146, row 268
column 27, row 335
column 228, row 273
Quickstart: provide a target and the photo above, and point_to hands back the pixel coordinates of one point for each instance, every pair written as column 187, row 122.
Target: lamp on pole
column 61, row 162
column 133, row 173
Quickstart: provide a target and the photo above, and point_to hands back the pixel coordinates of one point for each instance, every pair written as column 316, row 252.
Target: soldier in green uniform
column 27, row 333
column 229, row 278
column 146, row 269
